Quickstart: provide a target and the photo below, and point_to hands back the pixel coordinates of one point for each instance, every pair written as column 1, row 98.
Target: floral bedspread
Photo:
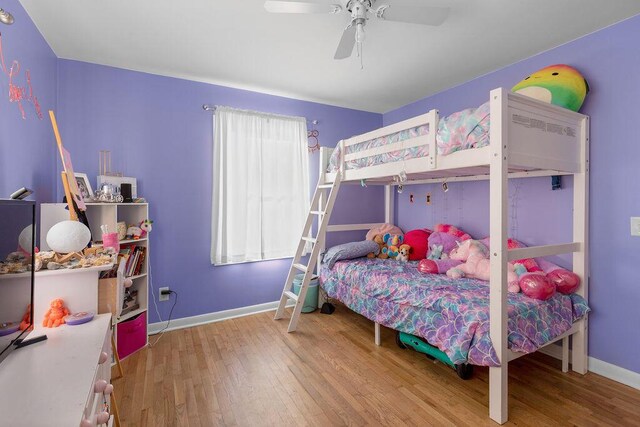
column 459, row 131
column 452, row 314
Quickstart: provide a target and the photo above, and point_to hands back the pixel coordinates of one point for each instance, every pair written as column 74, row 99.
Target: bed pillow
column 383, row 229
column 419, row 242
column 350, row 250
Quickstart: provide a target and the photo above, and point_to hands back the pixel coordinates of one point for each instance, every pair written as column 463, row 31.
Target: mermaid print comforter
column 452, row 314
column 459, row 131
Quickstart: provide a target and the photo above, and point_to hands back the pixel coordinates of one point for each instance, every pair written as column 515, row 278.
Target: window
column 260, row 186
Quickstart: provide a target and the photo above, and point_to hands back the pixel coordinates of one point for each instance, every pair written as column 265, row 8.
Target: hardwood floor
column 249, row 372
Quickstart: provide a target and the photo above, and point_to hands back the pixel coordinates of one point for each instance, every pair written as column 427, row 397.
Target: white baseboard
column 218, row 316
column 597, row 366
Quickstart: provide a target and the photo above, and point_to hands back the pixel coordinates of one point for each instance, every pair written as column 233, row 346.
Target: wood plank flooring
column 249, row 372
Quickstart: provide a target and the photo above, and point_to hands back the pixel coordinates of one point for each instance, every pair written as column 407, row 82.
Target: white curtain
column 260, row 185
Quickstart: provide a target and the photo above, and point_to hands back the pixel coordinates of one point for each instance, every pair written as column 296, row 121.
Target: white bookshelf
column 108, row 214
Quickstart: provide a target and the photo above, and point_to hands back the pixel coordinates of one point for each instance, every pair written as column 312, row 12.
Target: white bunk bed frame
column 529, row 138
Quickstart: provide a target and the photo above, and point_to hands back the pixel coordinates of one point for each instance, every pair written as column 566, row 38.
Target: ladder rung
column 300, row 267
column 310, row 240
column 325, row 186
column 317, row 213
column 291, row 295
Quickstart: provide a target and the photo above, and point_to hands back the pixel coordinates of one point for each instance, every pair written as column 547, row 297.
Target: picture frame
column 84, row 185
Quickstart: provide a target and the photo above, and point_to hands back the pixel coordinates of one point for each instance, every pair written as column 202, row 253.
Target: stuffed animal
column 534, row 285
column 556, row 84
column 145, row 227
column 566, row 282
column 379, row 240
column 450, row 229
column 134, row 232
column 419, row 242
column 438, row 266
column 393, row 241
column 403, row 253
column 54, row 317
column 26, row 319
column 476, row 264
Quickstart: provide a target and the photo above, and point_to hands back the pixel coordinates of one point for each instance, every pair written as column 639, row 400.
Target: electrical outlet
column 163, row 297
column 635, row 226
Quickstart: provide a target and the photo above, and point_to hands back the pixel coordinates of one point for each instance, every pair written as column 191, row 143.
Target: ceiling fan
column 360, row 11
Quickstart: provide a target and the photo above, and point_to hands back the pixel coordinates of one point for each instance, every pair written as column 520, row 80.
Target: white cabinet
column 53, row 382
column 110, row 214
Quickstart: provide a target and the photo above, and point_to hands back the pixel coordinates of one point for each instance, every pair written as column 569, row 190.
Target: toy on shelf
column 134, row 232
column 146, row 227
column 54, row 317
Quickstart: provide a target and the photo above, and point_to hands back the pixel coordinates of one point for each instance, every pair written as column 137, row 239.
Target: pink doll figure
column 476, row 264
column 534, row 284
column 566, row 282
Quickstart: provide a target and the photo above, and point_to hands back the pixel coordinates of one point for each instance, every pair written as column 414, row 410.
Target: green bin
column 311, row 300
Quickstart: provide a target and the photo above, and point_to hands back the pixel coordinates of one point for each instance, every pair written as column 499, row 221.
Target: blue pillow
column 350, row 250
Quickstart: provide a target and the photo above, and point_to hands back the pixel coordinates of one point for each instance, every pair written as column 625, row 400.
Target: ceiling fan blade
column 347, row 41
column 300, row 7
column 414, row 14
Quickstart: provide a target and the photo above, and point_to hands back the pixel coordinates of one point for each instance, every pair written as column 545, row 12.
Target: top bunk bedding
column 462, row 130
column 452, row 314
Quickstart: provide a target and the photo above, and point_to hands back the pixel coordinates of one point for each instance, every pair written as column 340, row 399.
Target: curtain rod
column 207, row 107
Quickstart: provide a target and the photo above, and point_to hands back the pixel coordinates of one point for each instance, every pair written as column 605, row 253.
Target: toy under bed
column 451, row 314
column 462, row 130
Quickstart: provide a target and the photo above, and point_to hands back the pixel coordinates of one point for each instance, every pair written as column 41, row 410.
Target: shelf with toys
column 125, row 295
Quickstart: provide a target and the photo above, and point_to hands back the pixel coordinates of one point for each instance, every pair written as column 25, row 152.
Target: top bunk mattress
column 460, row 131
column 451, row 314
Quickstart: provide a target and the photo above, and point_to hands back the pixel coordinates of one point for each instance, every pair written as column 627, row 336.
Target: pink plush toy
column 566, row 282
column 438, row 261
column 450, row 229
column 438, row 266
column 476, row 264
column 534, row 284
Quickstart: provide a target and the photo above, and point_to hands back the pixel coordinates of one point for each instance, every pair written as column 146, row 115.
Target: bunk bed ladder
column 320, row 199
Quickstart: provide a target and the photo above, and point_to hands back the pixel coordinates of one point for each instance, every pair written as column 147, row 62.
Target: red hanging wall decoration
column 18, row 94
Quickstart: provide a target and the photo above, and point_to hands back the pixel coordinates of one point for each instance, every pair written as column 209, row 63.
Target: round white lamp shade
column 68, row 236
column 24, row 239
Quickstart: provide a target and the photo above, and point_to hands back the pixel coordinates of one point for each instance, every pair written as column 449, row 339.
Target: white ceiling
column 237, row 43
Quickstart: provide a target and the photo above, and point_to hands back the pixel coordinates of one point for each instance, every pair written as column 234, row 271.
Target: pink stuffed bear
column 476, row 264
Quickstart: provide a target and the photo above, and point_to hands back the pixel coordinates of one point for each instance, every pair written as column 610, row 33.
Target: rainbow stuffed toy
column 556, row 84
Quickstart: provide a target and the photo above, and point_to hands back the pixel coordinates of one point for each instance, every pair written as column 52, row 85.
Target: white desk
column 50, row 383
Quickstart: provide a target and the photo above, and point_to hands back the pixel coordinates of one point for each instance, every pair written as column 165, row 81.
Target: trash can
column 311, row 300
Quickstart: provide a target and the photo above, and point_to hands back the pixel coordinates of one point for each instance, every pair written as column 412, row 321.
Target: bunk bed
column 528, row 138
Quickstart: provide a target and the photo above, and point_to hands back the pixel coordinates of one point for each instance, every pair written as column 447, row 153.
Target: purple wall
column 27, row 149
column 158, row 132
column 610, row 60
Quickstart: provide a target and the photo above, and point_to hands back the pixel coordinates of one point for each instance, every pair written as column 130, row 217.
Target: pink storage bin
column 132, row 335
